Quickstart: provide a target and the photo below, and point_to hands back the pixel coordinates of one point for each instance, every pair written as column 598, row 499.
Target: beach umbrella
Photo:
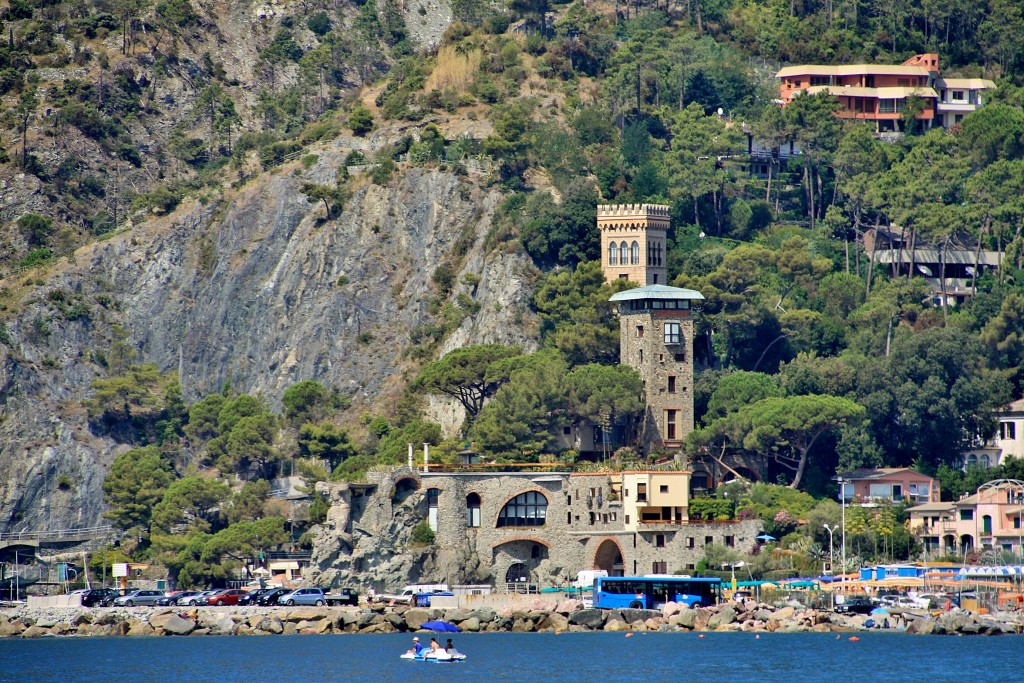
column 441, row 626
column 879, row 611
column 765, row 537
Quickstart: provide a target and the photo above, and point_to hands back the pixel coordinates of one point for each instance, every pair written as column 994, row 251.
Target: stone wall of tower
column 667, row 371
column 646, row 225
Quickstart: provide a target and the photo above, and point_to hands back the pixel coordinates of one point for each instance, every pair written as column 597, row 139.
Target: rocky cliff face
column 366, row 539
column 252, row 287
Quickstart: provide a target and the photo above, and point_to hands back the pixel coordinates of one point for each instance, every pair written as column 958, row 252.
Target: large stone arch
column 518, row 551
column 609, row 557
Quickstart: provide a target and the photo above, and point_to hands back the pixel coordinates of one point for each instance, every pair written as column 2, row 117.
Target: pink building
column 888, row 485
column 879, row 92
column 990, row 518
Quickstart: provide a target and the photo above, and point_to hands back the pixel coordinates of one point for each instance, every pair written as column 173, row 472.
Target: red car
column 228, row 596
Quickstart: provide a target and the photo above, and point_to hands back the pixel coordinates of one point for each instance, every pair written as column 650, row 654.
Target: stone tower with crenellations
column 633, row 242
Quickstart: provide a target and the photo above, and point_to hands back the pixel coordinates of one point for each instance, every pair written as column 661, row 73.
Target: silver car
column 197, row 599
column 138, row 597
column 304, row 596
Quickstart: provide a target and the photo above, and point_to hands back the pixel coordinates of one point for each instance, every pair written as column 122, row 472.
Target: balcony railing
column 683, row 522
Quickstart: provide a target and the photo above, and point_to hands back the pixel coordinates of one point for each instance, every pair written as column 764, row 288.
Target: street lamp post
column 842, row 503
column 1020, row 524
column 831, row 557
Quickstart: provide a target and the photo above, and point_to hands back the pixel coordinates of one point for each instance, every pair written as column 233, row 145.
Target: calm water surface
column 524, row 658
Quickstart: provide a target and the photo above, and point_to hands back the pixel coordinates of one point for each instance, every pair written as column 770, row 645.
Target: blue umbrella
column 765, row 537
column 441, row 626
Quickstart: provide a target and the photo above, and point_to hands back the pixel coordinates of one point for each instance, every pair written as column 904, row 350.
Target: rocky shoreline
column 748, row 616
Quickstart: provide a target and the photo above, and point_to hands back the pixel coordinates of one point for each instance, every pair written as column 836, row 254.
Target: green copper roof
column 657, row 292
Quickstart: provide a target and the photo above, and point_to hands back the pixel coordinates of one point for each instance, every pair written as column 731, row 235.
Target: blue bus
column 652, row 592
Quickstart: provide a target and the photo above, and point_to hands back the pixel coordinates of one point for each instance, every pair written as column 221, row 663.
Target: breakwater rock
column 748, row 616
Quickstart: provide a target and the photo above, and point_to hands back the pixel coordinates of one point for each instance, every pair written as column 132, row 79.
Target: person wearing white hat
column 416, row 648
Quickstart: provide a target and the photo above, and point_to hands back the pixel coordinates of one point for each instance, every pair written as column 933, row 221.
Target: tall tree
column 307, row 401
column 28, row 102
column 526, row 414
column 784, row 429
column 817, row 130
column 605, row 393
column 190, row 502
column 136, row 482
column 694, row 163
column 470, row 375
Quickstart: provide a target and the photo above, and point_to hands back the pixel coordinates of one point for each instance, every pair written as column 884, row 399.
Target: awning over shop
column 284, row 565
column 992, row 572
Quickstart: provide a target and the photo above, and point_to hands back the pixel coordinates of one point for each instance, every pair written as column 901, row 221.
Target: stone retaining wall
column 748, row 616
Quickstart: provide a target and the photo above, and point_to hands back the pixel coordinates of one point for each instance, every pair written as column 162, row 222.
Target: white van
column 425, row 588
column 585, row 578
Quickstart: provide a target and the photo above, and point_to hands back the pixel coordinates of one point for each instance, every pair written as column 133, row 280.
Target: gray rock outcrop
column 256, row 289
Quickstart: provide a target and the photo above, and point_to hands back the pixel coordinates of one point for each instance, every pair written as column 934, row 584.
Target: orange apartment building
column 879, row 92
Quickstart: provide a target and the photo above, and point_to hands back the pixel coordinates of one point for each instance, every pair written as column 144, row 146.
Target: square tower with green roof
column 656, row 339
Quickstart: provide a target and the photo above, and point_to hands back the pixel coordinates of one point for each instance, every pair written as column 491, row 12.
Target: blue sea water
column 523, row 658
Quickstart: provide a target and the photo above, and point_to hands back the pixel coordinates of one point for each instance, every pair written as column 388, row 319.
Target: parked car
column 204, row 597
column 344, row 596
column 225, row 597
column 109, row 600
column 270, row 597
column 251, row 597
column 172, row 598
column 855, row 604
column 888, row 600
column 197, row 599
column 906, row 602
column 138, row 597
column 304, row 596
column 929, row 600
column 96, row 596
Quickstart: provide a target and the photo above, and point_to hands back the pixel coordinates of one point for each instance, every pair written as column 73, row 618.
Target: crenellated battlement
column 632, row 210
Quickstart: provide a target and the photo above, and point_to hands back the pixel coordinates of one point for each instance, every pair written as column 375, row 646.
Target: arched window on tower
column 623, row 253
column 634, row 256
column 613, row 254
column 526, row 509
column 473, row 509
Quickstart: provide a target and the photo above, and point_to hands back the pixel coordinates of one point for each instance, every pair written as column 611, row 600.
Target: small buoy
column 757, row 637
column 854, row 639
column 629, row 635
column 838, row 636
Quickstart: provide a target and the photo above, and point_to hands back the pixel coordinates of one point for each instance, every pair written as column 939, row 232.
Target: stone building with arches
column 513, row 529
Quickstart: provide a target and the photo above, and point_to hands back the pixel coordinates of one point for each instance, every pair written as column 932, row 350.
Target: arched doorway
column 517, row 577
column 609, row 558
column 966, row 543
column 949, row 544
